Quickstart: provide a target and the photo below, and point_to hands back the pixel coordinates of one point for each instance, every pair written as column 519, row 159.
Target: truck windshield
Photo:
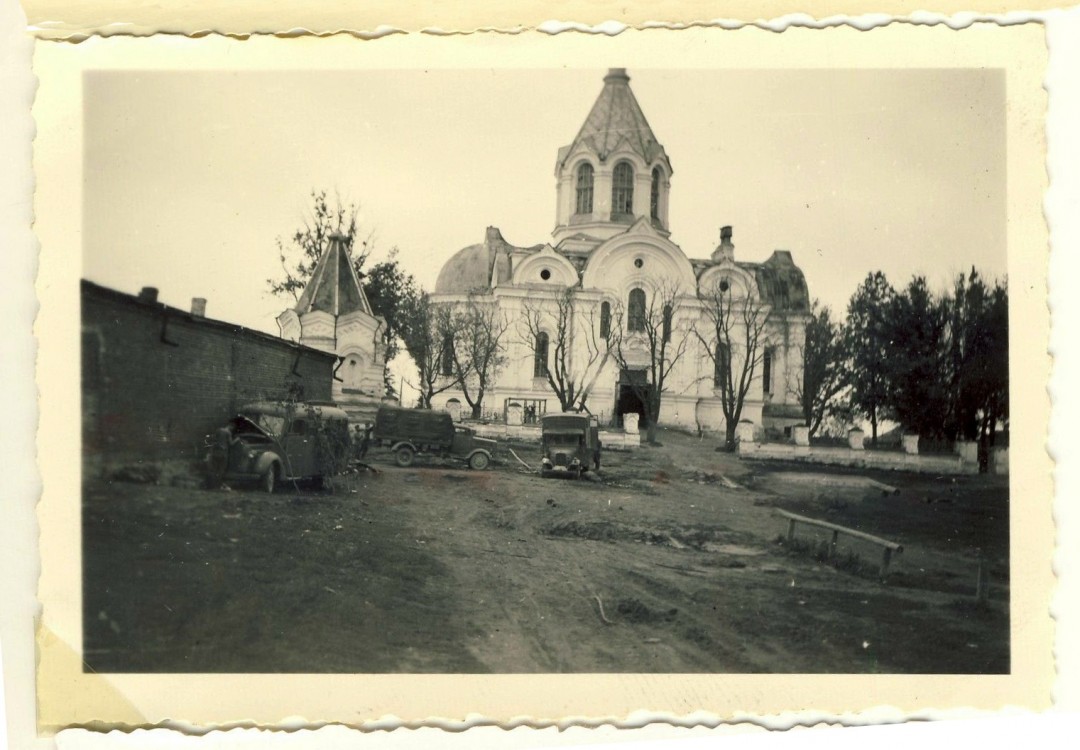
column 563, row 439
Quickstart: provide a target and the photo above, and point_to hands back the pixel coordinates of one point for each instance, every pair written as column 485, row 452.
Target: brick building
column 156, row 379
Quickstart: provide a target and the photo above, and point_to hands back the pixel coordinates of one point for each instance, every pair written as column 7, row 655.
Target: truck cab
column 569, row 444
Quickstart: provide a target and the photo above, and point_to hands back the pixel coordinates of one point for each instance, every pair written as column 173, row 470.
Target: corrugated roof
column 616, row 120
column 334, row 286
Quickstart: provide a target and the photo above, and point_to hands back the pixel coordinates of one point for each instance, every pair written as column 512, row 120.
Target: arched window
column 721, row 362
column 654, row 195
column 584, row 189
column 540, row 356
column 635, row 310
column 667, row 322
column 446, row 356
column 605, row 319
column 622, row 189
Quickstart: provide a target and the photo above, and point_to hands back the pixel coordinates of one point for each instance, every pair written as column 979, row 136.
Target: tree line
column 935, row 363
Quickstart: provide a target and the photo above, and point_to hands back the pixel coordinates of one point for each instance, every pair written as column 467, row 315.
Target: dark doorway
column 633, row 385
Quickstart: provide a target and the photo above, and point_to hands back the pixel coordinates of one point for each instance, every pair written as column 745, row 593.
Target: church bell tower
column 613, row 173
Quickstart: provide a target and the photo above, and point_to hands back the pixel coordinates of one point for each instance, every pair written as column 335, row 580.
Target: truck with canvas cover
column 569, row 444
column 409, row 432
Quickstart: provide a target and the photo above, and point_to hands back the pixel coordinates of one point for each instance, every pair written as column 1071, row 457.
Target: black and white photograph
column 545, row 371
column 672, row 361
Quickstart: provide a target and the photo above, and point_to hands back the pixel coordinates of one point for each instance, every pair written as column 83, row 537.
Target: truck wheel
column 404, row 456
column 269, row 478
column 479, row 461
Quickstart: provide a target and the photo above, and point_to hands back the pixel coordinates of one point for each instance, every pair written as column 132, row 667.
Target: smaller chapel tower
column 613, row 173
column 334, row 315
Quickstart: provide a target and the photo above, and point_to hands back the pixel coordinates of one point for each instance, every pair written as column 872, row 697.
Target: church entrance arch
column 630, row 395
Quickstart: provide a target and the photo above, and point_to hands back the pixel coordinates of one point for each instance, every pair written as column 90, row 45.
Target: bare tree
column 732, row 333
column 301, row 252
column 427, row 330
column 647, row 335
column 578, row 347
column 478, row 352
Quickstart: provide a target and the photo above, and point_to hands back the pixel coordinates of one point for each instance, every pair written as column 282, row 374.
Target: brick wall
column 147, row 397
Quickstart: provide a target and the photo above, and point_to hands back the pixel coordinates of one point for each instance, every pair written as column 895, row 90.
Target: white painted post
column 911, row 444
column 856, row 439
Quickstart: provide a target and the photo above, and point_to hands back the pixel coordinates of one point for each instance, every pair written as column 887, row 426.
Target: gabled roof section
column 334, row 286
column 615, row 121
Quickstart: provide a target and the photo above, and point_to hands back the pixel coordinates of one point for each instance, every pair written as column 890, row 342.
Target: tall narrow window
column 540, row 356
column 584, row 189
column 654, row 195
column 766, row 372
column 622, row 189
column 721, row 360
column 446, row 357
column 635, row 310
column 605, row 319
column 667, row 322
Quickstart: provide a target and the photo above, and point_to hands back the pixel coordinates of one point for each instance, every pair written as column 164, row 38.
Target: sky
column 191, row 176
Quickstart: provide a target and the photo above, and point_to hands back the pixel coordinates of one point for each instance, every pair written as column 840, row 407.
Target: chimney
column 148, row 294
column 725, row 252
column 198, row 307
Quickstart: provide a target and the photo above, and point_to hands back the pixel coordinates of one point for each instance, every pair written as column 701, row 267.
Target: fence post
column 832, row 544
column 791, row 529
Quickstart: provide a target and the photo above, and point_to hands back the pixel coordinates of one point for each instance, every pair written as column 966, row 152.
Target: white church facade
column 611, row 256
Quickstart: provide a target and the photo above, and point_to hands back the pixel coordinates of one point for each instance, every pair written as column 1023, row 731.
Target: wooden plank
column 842, row 529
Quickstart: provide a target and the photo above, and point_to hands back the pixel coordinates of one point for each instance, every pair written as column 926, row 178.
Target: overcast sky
column 190, row 177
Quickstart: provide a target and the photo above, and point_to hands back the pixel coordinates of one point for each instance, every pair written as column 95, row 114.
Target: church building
column 610, row 262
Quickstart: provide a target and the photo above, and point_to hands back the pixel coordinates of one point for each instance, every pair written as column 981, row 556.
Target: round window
column 638, row 262
column 724, row 285
column 545, row 274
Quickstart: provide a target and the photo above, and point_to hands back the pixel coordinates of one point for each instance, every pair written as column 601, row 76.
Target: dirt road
column 661, row 566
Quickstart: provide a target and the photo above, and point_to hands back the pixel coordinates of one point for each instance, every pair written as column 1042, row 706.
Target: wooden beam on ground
column 842, row 529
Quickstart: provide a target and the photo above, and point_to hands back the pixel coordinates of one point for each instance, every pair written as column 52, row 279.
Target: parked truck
column 412, row 432
column 569, row 444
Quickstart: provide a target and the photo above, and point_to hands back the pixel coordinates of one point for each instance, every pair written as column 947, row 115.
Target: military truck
column 569, row 444
column 412, row 432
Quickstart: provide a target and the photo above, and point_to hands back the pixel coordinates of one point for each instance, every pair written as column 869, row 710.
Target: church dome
column 467, row 270
column 476, row 267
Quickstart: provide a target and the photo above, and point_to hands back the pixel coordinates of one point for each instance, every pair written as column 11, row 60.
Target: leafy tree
column 427, row 331
column 386, row 284
column 733, row 337
column 479, row 350
column 654, row 331
column 825, row 373
column 578, row 347
column 978, row 355
column 917, row 328
column 866, row 338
